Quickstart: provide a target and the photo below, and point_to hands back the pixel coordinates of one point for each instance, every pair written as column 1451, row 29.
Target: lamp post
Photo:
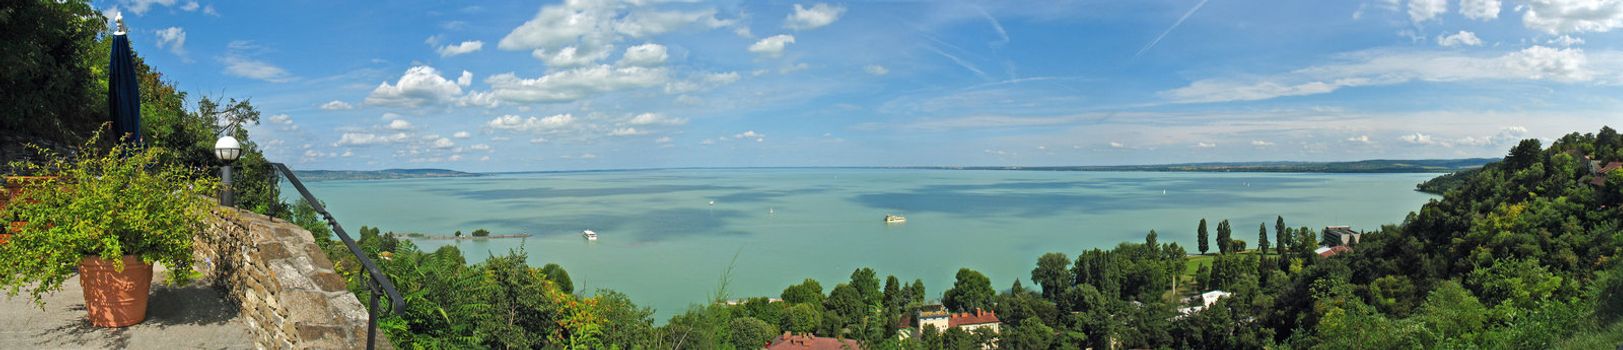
column 227, row 149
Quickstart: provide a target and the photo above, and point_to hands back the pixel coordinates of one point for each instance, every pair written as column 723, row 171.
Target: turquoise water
column 663, row 244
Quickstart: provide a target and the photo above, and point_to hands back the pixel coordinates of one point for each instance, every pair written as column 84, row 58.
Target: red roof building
column 789, row 341
column 979, row 317
column 1599, row 179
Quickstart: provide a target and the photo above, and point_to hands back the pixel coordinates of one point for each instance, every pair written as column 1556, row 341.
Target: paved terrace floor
column 178, row 317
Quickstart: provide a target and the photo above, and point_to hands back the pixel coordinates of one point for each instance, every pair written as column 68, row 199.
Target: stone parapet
column 290, row 295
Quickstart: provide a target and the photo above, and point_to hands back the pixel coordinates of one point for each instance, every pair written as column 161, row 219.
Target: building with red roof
column 790, row 341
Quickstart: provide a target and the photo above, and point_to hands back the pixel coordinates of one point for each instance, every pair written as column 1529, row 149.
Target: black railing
column 377, row 282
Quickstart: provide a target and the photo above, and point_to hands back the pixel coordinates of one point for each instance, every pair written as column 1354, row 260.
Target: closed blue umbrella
column 123, row 92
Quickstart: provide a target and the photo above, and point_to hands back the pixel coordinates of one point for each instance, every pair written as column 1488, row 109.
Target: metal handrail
column 379, row 284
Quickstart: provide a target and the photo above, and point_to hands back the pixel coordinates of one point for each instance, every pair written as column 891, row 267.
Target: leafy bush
column 107, row 203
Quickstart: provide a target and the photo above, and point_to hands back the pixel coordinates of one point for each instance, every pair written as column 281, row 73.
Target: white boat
column 590, row 236
column 894, row 219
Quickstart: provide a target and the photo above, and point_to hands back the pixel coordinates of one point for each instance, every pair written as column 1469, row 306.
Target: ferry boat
column 895, row 219
column 590, row 236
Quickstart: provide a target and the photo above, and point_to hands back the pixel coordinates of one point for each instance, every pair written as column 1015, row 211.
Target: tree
column 803, row 318
column 559, row 277
column 1030, row 333
column 970, row 292
column 1224, row 237
column 1200, row 235
column 481, row 233
column 1149, row 239
column 1282, row 238
column 867, row 285
column 1053, row 274
column 915, row 292
column 846, row 303
column 808, row 291
column 751, row 333
column 459, row 233
column 894, row 297
column 1262, row 238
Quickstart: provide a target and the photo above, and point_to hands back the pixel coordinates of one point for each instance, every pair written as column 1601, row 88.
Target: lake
column 664, row 243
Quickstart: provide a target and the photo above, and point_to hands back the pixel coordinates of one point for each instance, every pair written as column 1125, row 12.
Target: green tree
column 1200, row 235
column 1224, row 237
column 971, row 291
column 751, row 333
column 1053, row 274
column 1281, row 238
column 867, row 285
column 803, row 318
column 1029, row 334
column 1262, row 238
column 559, row 277
column 846, row 303
column 808, row 291
column 481, row 233
column 894, row 297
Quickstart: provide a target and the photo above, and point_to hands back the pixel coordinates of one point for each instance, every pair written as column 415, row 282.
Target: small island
column 478, row 234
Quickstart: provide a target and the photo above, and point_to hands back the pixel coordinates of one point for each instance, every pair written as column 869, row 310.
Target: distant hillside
column 326, row 175
column 1362, row 166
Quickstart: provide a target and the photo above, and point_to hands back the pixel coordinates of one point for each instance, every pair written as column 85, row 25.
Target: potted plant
column 109, row 213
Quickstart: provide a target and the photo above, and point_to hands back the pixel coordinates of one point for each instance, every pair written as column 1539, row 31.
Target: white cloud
column 645, row 55
column 1425, row 10
column 281, row 119
column 336, row 105
column 238, row 63
column 399, row 124
column 363, row 139
column 1114, row 144
column 1359, row 139
column 663, row 139
column 1480, row 9
column 700, row 81
column 190, row 6
column 876, row 69
column 578, row 33
column 1205, row 145
column 173, row 38
column 461, row 135
column 574, row 84
column 538, row 140
column 443, row 143
column 480, row 147
column 1463, row 38
column 516, row 123
column 1566, row 65
column 1573, row 16
column 571, row 56
column 1418, row 138
column 751, row 135
column 1261, row 143
column 1566, row 40
column 140, row 7
column 419, row 86
column 772, row 46
column 465, row 79
column 627, row 132
column 255, row 69
column 462, row 48
column 809, row 18
column 655, row 119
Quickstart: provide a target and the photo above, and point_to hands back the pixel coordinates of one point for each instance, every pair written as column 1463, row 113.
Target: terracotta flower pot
column 113, row 298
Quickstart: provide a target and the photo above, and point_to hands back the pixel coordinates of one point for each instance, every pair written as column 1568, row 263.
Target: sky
column 616, row 84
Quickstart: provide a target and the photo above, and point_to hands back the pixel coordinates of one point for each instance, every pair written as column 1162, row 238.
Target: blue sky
column 646, row 83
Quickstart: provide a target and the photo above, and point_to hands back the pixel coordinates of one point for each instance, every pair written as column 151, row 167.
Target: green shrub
column 108, row 203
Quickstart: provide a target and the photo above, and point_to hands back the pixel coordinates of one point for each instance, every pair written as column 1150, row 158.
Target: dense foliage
column 53, row 93
column 107, row 202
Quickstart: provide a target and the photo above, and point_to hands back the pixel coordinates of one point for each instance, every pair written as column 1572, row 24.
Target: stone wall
column 290, row 296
